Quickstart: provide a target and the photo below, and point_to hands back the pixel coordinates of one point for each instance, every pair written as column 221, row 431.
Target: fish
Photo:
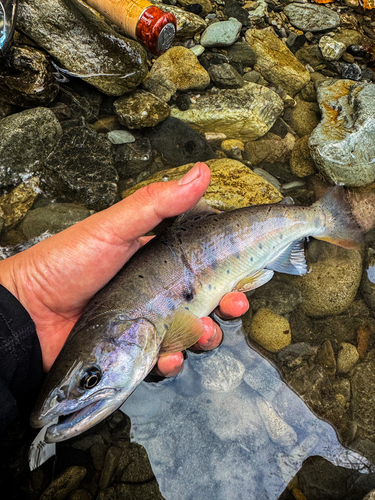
column 153, row 306
column 8, row 13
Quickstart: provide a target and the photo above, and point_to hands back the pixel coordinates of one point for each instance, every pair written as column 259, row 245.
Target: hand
column 55, row 279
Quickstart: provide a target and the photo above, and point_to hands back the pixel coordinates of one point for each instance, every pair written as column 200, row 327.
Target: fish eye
column 91, row 377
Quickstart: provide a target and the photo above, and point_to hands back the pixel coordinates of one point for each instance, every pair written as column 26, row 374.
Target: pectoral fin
column 184, row 332
column 254, row 281
column 291, row 261
column 200, row 209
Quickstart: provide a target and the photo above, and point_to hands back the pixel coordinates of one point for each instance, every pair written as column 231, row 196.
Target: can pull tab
column 8, row 11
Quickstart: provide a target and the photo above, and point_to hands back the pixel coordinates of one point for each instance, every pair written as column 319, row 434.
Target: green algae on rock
column 246, row 113
column 233, row 185
column 83, row 43
column 277, row 63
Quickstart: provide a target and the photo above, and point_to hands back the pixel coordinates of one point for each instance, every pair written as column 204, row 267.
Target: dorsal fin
column 200, row 209
column 185, row 331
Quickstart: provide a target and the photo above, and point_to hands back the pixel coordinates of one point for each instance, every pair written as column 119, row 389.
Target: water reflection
column 228, row 423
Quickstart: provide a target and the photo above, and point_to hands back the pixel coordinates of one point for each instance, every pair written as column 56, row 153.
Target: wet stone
column 301, row 163
column 26, row 139
column 110, row 466
column 241, row 52
column 311, row 17
column 82, row 100
column 67, row 482
column 347, row 357
column 120, row 137
column 296, row 353
column 26, row 79
column 221, row 34
column 116, row 64
column 148, row 491
column 132, row 159
column 81, row 169
column 80, row 494
column 188, row 24
column 54, row 217
column 270, row 330
column 15, row 205
column 98, row 453
column 138, row 469
column 221, row 372
column 224, row 76
column 140, row 109
column 325, row 357
column 280, row 297
column 178, row 143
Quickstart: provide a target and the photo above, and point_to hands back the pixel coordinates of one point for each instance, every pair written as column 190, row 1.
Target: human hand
column 55, row 279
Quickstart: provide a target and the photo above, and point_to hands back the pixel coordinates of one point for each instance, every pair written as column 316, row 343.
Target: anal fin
column 254, row 281
column 185, row 331
column 291, row 260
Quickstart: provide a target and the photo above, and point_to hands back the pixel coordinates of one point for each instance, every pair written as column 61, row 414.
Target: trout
column 154, row 304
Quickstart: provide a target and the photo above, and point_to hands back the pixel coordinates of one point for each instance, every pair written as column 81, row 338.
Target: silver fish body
column 154, row 303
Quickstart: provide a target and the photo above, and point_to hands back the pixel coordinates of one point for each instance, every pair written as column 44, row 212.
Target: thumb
column 146, row 208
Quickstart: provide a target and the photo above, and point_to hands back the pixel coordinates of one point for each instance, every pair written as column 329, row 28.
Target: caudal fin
column 341, row 228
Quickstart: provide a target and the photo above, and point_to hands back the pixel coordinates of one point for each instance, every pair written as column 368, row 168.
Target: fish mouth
column 75, row 423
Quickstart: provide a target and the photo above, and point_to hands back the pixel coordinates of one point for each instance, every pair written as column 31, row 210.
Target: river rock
column 82, row 42
column 241, row 52
column 14, row 205
column 111, row 462
column 343, row 144
column 140, row 109
column 246, row 114
column 67, row 482
column 54, row 217
column 311, row 17
column 304, row 117
column 27, row 80
column 334, row 279
column 331, row 49
column 224, row 76
column 81, row 169
column 270, row 330
column 269, row 151
column 188, row 24
column 26, row 139
column 221, row 34
column 233, row 185
column 177, row 143
column 301, row 163
column 277, row 63
column 132, row 159
column 310, row 54
column 181, row 67
column 363, row 403
column 325, row 357
column 347, row 357
column 120, row 136
column 279, row 297
column 206, row 4
column 82, row 99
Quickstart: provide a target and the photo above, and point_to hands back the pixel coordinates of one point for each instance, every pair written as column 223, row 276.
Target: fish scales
column 154, row 303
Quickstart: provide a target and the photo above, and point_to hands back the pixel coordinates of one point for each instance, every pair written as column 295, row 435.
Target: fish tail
column 341, row 227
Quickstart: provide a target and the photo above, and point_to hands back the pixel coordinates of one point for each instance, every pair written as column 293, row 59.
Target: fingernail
column 190, row 176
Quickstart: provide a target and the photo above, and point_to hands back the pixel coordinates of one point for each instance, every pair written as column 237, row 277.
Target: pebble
column 325, row 357
column 224, row 76
column 245, row 114
column 347, row 357
column 140, row 109
column 271, row 150
column 15, row 205
column 333, row 282
column 270, row 330
column 120, row 137
column 331, row 49
column 221, row 34
column 311, row 17
column 181, row 67
column 276, row 62
column 67, row 482
column 301, row 163
column 54, row 217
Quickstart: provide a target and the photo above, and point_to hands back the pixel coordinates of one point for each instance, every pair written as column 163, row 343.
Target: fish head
column 99, row 366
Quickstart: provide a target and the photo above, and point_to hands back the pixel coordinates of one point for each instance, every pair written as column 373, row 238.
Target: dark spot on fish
column 216, row 220
column 140, row 276
column 165, row 262
column 183, row 228
column 251, row 259
column 228, row 272
column 209, row 287
column 187, row 308
column 281, row 236
column 260, row 245
column 166, row 326
column 187, row 295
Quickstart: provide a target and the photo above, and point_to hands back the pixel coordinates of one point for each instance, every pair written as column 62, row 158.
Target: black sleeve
column 21, row 369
